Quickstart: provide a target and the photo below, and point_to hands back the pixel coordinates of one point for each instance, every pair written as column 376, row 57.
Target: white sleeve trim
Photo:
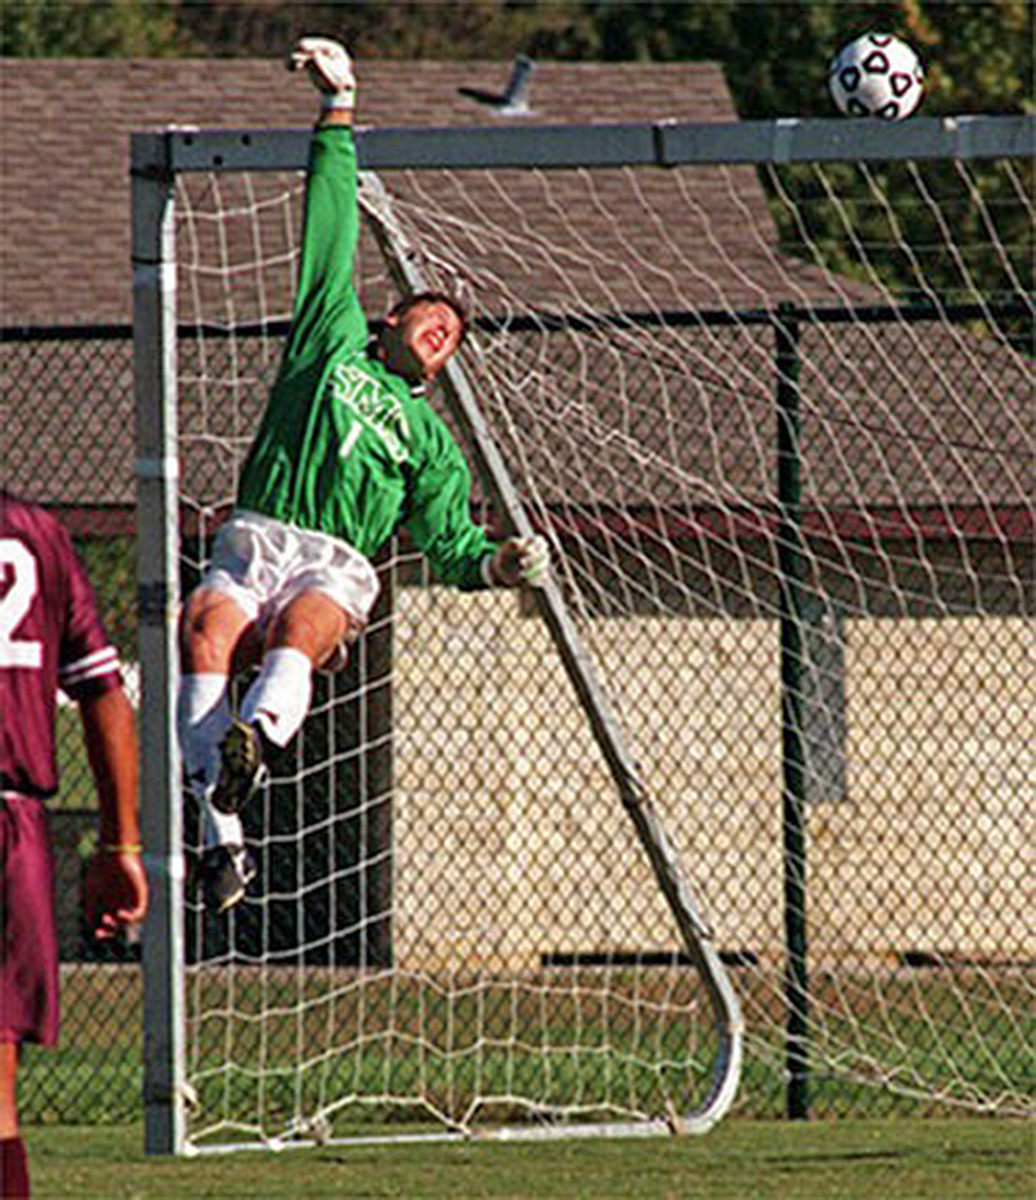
column 487, row 579
column 101, row 662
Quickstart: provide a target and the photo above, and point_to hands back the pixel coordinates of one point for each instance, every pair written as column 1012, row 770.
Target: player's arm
column 327, row 310
column 116, row 885
column 461, row 552
column 110, row 734
column 439, row 521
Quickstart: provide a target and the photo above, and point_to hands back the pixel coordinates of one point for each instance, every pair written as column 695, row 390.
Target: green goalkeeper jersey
column 345, row 446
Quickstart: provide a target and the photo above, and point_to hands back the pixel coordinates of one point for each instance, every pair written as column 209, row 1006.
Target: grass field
column 855, row 1160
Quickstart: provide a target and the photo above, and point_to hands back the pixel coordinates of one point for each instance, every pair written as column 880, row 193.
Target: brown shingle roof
column 64, row 145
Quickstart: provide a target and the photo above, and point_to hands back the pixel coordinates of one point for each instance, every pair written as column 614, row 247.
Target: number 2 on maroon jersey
column 18, row 566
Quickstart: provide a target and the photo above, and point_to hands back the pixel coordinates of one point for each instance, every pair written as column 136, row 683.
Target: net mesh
column 454, row 922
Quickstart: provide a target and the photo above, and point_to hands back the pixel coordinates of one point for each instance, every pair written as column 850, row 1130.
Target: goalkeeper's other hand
column 329, row 67
column 521, row 560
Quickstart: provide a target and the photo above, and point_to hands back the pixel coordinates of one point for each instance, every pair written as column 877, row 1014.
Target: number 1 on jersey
column 351, row 438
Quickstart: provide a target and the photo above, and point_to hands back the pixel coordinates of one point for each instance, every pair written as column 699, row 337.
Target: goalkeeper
column 347, row 450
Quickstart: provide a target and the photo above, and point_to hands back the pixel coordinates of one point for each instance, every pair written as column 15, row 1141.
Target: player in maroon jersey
column 51, row 636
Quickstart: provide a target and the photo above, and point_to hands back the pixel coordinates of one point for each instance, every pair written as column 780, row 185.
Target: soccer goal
column 741, row 798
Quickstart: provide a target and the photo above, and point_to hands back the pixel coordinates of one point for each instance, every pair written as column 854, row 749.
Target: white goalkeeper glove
column 329, row 67
column 521, row 560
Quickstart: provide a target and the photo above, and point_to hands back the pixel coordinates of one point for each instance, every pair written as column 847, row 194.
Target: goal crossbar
column 656, row 144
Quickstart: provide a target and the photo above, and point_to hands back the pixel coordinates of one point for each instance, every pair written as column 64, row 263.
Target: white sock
column 202, row 718
column 279, row 698
column 221, row 829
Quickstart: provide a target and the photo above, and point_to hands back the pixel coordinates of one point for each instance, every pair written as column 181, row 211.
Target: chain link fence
column 916, row 731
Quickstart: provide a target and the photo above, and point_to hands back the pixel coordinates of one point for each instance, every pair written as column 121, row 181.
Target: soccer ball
column 876, row 76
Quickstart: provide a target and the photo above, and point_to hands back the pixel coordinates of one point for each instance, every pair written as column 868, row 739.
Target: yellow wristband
column 122, row 848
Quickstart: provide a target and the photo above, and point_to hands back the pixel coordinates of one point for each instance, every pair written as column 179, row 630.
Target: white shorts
column 263, row 564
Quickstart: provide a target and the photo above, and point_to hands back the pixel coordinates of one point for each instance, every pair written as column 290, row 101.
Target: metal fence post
column 792, row 593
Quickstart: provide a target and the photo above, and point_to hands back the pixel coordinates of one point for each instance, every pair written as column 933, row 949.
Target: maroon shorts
column 28, row 937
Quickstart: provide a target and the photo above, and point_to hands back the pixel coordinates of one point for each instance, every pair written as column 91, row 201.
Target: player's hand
column 115, row 892
column 329, row 66
column 521, row 560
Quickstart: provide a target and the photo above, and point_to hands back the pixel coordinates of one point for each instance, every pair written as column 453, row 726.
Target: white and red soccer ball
column 876, row 75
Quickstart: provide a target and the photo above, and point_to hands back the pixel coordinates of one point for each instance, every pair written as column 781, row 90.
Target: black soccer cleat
column 241, row 768
column 226, row 872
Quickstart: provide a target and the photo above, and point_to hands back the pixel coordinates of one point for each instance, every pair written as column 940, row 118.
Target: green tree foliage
column 978, row 53
column 97, row 28
column 776, row 53
column 410, row 29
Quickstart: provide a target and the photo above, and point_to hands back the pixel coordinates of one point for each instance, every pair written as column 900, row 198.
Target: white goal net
column 776, row 423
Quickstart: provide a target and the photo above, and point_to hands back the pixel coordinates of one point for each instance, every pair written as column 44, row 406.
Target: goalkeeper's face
column 419, row 342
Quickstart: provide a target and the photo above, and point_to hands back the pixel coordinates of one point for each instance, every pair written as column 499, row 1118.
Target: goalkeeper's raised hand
column 521, row 560
column 329, row 66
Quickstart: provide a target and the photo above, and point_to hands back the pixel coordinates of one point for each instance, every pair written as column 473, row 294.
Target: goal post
column 158, row 595
column 497, row 899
